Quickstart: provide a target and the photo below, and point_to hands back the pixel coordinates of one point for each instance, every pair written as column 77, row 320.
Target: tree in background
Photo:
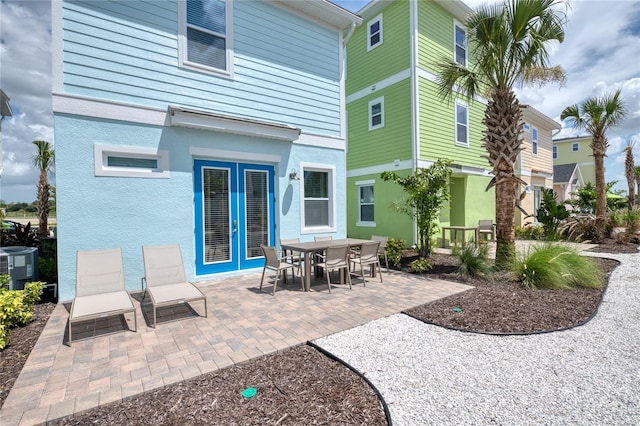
column 426, row 193
column 597, row 115
column 509, row 45
column 637, row 175
column 44, row 161
column 630, row 174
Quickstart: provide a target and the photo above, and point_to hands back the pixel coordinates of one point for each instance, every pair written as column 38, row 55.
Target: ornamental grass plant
column 557, row 266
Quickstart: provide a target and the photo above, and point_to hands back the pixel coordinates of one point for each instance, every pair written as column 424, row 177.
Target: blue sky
column 601, row 53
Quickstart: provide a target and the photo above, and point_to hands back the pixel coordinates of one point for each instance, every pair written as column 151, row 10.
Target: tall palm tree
column 44, row 161
column 637, row 174
column 596, row 115
column 509, row 45
column 630, row 174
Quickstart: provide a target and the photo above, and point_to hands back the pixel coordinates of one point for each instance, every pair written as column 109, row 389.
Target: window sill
column 366, row 224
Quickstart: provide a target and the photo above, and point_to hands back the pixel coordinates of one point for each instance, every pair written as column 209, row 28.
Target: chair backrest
column 485, row 225
column 382, row 239
column 163, row 265
column 330, row 237
column 369, row 251
column 290, row 241
column 337, row 256
column 270, row 256
column 99, row 271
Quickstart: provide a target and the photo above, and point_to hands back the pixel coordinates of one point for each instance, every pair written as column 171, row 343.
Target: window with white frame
column 365, row 203
column 526, row 127
column 374, row 32
column 318, row 187
column 555, row 152
column 206, row 42
column 376, row 113
column 575, row 147
column 534, row 141
column 123, row 161
column 462, row 124
column 460, row 41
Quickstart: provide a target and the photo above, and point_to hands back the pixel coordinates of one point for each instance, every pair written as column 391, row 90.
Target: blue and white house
column 215, row 124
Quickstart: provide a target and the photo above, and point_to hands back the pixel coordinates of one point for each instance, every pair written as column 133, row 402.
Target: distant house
column 535, row 163
column 567, row 179
column 576, row 150
column 218, row 125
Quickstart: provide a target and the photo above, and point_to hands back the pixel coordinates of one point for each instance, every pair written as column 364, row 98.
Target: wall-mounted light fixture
column 293, row 175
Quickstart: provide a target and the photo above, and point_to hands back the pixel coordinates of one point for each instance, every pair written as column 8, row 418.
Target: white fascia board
column 320, row 11
column 204, row 120
column 379, row 168
column 382, row 84
column 234, row 155
column 320, row 141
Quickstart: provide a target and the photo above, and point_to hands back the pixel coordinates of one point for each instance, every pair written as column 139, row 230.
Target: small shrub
column 16, row 308
column 47, row 269
column 554, row 266
column 394, row 250
column 579, row 228
column 530, row 232
column 474, row 260
column 421, row 265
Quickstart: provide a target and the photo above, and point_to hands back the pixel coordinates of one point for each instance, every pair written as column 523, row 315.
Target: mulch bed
column 302, row 386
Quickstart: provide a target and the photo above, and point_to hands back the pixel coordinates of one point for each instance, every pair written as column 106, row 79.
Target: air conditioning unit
column 21, row 263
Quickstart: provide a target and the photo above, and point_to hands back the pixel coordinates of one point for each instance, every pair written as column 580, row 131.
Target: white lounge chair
column 100, row 290
column 165, row 278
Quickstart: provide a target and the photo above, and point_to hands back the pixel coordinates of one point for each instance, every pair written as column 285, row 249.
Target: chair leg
column 262, row 280
column 328, row 271
column 275, row 282
column 348, row 276
column 364, row 280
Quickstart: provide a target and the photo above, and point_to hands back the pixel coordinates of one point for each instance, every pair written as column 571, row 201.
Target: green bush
column 474, row 260
column 555, row 266
column 394, row 250
column 16, row 308
column 579, row 228
column 530, row 232
column 421, row 265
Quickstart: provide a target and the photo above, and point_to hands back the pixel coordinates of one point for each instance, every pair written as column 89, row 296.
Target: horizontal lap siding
column 286, row 68
column 435, row 35
column 365, row 68
column 384, row 145
column 437, row 129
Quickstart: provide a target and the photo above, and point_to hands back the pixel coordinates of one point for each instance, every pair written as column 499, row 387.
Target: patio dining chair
column 273, row 262
column 165, row 279
column 100, row 290
column 382, row 250
column 293, row 256
column 486, row 227
column 336, row 258
column 367, row 256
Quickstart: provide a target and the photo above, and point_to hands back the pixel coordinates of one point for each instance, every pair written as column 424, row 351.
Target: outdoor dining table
column 309, row 248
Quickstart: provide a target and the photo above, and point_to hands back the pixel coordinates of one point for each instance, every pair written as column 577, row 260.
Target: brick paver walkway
column 243, row 323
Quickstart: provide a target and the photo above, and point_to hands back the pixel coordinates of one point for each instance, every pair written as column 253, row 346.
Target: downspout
column 415, row 112
column 349, row 34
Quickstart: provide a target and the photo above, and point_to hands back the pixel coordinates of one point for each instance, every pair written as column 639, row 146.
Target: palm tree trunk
column 601, row 195
column 43, row 205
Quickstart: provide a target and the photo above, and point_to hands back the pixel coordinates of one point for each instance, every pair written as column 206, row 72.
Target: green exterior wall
column 365, row 68
column 386, row 144
column 437, row 128
column 583, row 157
column 435, row 34
column 388, row 221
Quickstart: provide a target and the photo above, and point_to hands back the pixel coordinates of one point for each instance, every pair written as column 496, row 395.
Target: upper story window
column 376, row 113
column 526, row 127
column 575, row 147
column 318, row 212
column 206, row 35
column 462, row 124
column 534, row 141
column 555, row 152
column 460, row 41
column 374, row 32
column 365, row 203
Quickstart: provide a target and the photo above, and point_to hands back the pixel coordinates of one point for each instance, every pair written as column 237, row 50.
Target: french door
column 234, row 215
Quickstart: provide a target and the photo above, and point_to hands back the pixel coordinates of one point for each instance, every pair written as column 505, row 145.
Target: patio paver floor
column 243, row 323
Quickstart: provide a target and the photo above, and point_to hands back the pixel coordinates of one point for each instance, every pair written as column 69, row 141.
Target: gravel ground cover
column 342, row 397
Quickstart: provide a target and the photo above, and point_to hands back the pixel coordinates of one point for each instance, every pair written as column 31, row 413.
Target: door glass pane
column 257, row 211
column 215, row 202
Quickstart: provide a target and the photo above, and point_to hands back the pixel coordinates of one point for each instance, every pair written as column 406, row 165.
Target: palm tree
column 509, row 47
column 43, row 160
column 637, row 175
column 597, row 115
column 630, row 174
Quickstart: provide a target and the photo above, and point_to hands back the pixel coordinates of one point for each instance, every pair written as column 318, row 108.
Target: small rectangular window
column 555, row 152
column 534, row 141
column 575, row 147
column 462, row 124
column 376, row 113
column 365, row 204
column 374, row 32
column 460, row 45
column 206, row 28
column 526, row 127
column 127, row 161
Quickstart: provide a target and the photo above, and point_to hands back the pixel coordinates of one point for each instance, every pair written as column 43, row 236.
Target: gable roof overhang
column 5, row 108
column 566, row 173
column 540, row 117
column 322, row 11
column 205, row 120
column 456, row 7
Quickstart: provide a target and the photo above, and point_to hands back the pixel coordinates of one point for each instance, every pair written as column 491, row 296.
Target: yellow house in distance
column 535, row 162
column 576, row 150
